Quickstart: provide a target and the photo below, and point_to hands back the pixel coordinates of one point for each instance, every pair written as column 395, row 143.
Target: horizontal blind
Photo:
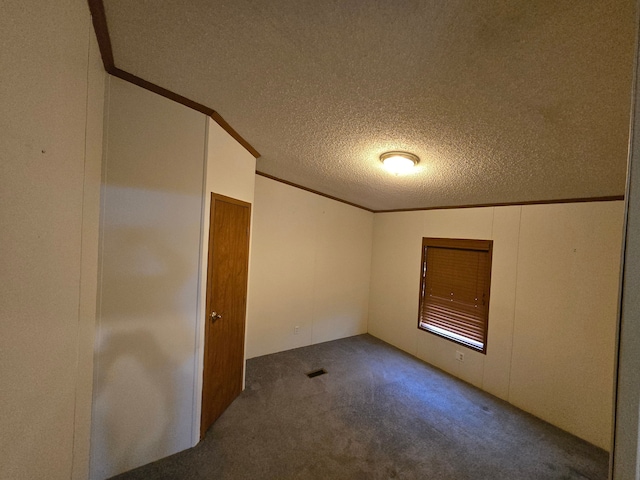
column 455, row 293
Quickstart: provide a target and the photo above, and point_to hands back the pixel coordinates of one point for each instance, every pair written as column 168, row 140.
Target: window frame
column 456, row 244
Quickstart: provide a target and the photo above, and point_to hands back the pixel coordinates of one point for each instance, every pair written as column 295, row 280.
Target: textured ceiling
column 503, row 101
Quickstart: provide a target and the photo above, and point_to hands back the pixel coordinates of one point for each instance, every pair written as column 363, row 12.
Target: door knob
column 215, row 316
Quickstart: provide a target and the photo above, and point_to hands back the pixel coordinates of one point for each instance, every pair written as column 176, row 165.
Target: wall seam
column 80, row 276
column 315, row 278
column 515, row 301
column 493, row 221
column 373, row 226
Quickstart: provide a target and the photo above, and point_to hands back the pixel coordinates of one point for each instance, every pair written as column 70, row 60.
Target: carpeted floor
column 377, row 414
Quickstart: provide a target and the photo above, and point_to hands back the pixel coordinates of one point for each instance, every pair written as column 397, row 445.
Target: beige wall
column 145, row 358
column 230, row 171
column 162, row 162
column 51, row 92
column 552, row 316
column 310, row 268
column 566, row 315
column 230, row 167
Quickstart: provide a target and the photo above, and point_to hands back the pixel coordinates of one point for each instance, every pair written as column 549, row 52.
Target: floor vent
column 316, row 373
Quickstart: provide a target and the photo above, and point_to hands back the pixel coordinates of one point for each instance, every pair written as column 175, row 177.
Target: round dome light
column 399, row 163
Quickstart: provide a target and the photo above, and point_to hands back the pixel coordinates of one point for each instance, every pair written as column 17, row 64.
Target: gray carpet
column 377, row 414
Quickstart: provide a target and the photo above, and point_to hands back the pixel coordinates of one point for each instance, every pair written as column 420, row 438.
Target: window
column 454, row 290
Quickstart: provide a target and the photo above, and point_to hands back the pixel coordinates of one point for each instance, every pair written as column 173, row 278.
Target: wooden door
column 227, row 274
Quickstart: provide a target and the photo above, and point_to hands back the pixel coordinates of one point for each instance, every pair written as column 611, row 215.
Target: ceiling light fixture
column 399, row 163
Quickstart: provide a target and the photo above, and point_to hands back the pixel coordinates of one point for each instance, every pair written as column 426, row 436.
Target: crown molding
column 99, row 19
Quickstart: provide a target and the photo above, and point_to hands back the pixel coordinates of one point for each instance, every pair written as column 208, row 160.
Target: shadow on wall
column 143, row 393
column 133, row 401
column 146, row 272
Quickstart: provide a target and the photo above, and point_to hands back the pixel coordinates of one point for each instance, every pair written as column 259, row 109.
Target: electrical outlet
column 296, row 330
column 459, row 356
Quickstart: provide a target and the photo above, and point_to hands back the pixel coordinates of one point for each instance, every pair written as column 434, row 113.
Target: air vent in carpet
column 316, row 373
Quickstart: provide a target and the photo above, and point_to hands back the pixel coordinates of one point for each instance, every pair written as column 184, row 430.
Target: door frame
column 207, row 202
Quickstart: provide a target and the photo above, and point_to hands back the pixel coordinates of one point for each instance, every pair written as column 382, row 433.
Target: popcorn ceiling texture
column 503, row 101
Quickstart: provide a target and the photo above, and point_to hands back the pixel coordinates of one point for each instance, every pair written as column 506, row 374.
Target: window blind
column 455, row 290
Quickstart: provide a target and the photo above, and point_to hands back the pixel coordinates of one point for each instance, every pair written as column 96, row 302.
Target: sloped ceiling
column 503, row 101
